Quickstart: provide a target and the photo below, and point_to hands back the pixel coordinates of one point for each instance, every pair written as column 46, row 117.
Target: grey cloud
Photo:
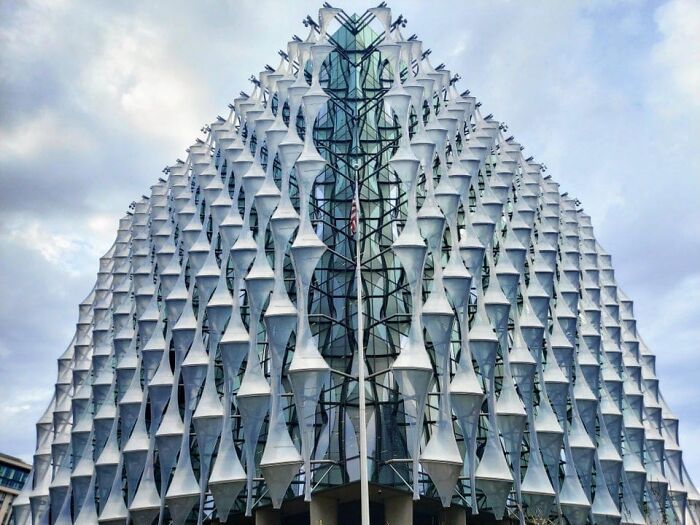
column 580, row 84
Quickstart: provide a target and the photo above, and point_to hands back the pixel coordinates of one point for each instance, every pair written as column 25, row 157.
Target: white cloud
column 68, row 251
column 674, row 321
column 33, row 28
column 676, row 56
column 135, row 78
column 17, row 409
column 104, row 225
column 41, row 134
column 22, row 402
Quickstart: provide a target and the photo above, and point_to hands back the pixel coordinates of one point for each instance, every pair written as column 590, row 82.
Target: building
column 13, row 475
column 357, row 283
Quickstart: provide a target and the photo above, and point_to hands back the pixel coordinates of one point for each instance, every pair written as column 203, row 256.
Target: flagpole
column 364, row 483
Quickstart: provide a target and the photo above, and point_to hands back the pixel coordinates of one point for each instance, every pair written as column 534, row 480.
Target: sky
column 97, row 97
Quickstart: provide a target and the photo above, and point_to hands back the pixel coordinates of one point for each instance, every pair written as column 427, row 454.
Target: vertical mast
column 364, row 484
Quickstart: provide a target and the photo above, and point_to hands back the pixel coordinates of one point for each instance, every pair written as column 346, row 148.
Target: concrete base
column 398, row 510
column 324, row 511
column 341, row 506
column 453, row 516
column 268, row 517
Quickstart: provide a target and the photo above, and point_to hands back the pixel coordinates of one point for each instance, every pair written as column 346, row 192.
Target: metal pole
column 364, row 484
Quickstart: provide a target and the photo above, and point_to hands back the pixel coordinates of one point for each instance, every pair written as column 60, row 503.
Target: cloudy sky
column 97, row 97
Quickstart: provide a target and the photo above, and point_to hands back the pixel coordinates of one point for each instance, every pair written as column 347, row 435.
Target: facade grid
column 214, row 369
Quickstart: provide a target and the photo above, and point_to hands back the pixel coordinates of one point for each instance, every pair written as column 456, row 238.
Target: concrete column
column 324, row 511
column 5, row 506
column 267, row 516
column 453, row 516
column 398, row 510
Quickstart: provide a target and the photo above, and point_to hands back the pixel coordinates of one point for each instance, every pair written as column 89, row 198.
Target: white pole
column 364, row 484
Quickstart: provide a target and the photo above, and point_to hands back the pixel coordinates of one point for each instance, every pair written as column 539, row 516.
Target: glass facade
column 13, row 476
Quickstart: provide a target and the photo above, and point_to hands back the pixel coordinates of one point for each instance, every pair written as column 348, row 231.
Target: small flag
column 353, row 217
